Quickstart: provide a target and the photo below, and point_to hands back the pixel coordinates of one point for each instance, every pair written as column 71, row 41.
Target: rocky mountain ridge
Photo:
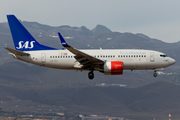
column 40, row 85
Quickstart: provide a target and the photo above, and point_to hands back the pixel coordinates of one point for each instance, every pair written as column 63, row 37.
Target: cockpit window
column 163, row 55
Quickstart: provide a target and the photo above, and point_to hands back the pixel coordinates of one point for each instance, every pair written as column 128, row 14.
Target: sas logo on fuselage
column 26, row 45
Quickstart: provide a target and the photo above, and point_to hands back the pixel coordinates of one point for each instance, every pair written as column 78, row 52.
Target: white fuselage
column 107, row 61
column 132, row 59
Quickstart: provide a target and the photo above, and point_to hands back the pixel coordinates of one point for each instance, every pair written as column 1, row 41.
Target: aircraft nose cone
column 172, row 61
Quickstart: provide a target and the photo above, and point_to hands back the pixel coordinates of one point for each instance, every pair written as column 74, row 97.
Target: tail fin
column 23, row 40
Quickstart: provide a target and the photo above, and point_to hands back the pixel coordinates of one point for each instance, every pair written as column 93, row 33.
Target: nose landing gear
column 155, row 74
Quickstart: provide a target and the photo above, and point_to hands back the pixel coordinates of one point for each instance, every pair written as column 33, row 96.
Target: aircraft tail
column 23, row 40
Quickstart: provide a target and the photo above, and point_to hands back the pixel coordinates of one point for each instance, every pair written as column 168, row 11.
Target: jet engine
column 113, row 68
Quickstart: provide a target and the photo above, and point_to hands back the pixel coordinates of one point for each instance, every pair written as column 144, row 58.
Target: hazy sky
column 158, row 19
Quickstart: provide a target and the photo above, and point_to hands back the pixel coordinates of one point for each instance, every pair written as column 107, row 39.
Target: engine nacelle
column 113, row 68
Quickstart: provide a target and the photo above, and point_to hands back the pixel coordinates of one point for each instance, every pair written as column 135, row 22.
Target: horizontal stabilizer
column 17, row 52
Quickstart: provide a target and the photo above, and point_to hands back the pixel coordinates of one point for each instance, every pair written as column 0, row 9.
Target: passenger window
column 50, row 56
column 144, row 55
column 131, row 55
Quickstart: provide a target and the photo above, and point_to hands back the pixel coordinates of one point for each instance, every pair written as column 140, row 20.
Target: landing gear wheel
column 91, row 75
column 155, row 74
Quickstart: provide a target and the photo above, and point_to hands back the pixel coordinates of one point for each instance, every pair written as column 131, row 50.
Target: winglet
column 63, row 42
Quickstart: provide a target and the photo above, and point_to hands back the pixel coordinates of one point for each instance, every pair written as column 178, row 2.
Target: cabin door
column 152, row 57
column 43, row 57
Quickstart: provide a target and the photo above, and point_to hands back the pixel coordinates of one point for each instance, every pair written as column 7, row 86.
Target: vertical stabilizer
column 23, row 40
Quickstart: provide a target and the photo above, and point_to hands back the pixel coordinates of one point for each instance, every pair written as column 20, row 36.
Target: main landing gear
column 155, row 74
column 91, row 75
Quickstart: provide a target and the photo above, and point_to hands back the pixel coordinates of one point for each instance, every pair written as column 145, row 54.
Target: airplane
column 107, row 61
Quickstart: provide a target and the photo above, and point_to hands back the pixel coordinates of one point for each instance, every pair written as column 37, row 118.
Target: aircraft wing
column 16, row 52
column 86, row 60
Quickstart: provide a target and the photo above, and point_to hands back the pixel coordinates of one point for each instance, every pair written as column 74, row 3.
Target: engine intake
column 113, row 68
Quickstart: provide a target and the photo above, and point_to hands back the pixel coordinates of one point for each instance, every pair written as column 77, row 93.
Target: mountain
column 99, row 29
column 84, row 31
column 30, row 86
column 143, row 36
column 156, row 97
column 100, row 36
column 153, row 100
column 83, row 38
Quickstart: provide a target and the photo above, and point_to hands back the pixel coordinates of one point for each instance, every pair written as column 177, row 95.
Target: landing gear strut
column 91, row 75
column 155, row 74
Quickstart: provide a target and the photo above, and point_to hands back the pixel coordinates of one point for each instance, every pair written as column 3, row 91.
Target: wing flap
column 17, row 52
